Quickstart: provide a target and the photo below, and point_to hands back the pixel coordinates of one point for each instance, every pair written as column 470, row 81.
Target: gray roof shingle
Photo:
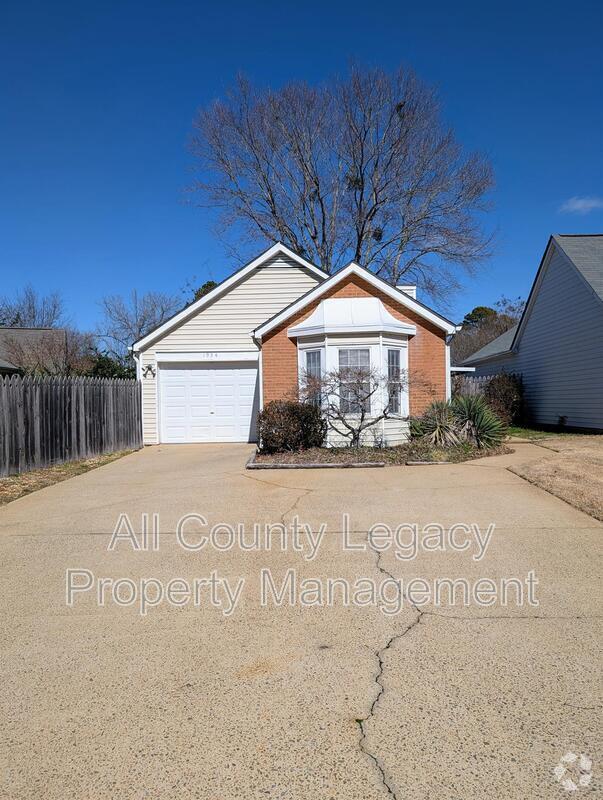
column 501, row 344
column 586, row 253
column 22, row 341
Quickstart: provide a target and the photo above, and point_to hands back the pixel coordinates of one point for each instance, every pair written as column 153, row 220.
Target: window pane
column 355, row 358
column 393, row 365
column 393, row 378
column 354, row 395
column 313, row 367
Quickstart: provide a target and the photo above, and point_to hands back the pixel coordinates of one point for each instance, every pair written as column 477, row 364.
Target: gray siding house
column 557, row 346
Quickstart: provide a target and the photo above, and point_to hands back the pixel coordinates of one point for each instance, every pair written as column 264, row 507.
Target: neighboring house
column 557, row 346
column 36, row 349
column 208, row 370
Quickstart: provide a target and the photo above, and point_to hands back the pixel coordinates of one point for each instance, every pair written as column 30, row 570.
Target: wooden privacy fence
column 468, row 384
column 45, row 421
column 465, row 383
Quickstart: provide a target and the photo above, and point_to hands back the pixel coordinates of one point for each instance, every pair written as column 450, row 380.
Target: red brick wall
column 426, row 352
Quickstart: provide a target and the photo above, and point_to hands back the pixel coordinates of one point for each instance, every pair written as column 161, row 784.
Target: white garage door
column 213, row 403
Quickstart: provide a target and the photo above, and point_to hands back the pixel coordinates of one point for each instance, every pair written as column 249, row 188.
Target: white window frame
column 391, row 349
column 368, row 348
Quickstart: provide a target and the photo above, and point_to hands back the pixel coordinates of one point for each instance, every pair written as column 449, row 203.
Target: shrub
column 476, row 422
column 439, row 425
column 416, row 427
column 290, row 425
column 504, row 394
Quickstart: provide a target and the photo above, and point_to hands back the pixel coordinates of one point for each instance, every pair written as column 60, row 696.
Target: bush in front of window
column 288, row 425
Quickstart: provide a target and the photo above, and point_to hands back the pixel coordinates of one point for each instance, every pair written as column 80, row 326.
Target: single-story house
column 557, row 346
column 208, row 370
column 23, row 349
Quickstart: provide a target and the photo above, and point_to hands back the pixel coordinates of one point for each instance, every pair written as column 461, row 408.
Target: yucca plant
column 476, row 422
column 439, row 425
column 416, row 427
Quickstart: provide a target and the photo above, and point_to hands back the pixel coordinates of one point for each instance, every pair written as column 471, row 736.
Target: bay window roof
column 351, row 315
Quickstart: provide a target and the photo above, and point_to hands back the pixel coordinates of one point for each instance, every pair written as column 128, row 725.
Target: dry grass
column 16, row 486
column 575, row 473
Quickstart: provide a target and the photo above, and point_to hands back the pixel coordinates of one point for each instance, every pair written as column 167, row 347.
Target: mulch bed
column 373, row 456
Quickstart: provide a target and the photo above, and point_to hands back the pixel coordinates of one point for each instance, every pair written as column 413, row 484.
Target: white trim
column 353, row 269
column 208, row 355
column 261, row 380
column 384, row 389
column 319, row 330
column 448, row 378
column 462, row 369
column 193, row 308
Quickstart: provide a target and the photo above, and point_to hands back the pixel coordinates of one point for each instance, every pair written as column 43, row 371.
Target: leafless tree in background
column 28, row 309
column 127, row 319
column 361, row 168
column 61, row 351
column 484, row 324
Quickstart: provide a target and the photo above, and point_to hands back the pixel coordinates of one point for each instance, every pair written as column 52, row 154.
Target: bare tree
column 29, row 309
column 354, row 399
column 51, row 352
column 484, row 324
column 361, row 168
column 127, row 319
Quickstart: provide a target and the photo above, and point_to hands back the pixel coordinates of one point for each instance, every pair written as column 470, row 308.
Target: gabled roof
column 584, row 253
column 502, row 344
column 19, row 342
column 355, row 269
column 221, row 288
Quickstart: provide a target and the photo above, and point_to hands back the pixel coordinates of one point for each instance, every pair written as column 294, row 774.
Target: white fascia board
column 208, row 355
column 462, row 369
column 237, row 276
column 542, row 268
column 373, row 280
column 316, row 330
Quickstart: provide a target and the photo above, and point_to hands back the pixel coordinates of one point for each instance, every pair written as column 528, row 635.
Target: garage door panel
column 215, row 403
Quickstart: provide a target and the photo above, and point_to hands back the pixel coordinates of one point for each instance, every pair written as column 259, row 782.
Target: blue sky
column 98, row 99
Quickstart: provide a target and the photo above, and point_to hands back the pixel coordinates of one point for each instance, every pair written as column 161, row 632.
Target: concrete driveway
column 291, row 702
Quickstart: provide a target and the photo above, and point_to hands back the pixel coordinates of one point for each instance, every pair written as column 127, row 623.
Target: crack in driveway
column 379, row 655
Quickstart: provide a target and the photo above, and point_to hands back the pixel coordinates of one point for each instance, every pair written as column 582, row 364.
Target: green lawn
column 535, row 433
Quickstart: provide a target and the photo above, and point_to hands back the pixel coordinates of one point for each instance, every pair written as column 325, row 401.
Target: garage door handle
column 211, row 412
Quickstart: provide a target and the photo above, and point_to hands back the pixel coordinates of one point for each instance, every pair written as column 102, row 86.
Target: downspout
column 383, row 399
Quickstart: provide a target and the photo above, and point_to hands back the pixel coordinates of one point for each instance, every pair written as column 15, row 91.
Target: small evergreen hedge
column 288, row 425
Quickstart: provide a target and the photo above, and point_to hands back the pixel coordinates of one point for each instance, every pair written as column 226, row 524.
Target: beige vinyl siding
column 227, row 323
column 560, row 353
